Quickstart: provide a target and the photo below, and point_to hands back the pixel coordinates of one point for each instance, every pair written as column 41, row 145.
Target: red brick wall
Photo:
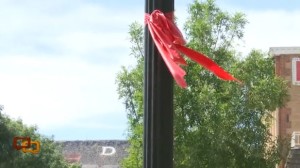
column 284, row 121
column 288, row 119
column 282, row 71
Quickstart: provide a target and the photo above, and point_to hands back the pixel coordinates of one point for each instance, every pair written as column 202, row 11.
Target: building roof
column 95, row 154
column 275, row 51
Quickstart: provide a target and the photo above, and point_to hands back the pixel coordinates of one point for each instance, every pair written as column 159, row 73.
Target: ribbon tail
column 206, row 62
column 176, row 71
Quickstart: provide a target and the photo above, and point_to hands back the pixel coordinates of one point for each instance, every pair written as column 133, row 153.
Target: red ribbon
column 170, row 43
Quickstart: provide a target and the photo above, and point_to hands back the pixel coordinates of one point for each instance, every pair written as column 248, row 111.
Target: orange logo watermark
column 26, row 145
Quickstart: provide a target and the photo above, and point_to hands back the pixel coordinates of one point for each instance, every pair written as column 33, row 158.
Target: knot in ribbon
column 170, row 44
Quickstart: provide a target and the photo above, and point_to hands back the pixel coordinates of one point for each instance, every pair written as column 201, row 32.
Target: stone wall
column 95, row 154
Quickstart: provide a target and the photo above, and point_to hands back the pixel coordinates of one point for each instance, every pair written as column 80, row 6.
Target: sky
column 59, row 58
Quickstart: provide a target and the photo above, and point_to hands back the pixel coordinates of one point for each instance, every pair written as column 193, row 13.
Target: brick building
column 287, row 66
column 287, row 119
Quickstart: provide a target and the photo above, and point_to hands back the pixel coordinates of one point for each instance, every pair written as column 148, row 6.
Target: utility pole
column 158, row 99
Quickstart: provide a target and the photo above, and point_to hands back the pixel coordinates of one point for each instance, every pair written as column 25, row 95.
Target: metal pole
column 158, row 100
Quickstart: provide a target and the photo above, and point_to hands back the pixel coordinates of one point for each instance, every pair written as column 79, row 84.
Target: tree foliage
column 130, row 89
column 217, row 123
column 50, row 155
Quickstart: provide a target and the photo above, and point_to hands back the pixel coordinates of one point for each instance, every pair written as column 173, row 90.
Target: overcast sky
column 59, row 58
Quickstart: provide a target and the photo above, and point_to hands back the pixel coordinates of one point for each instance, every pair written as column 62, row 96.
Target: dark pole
column 158, row 100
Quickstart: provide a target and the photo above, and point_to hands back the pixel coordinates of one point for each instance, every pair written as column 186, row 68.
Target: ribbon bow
column 170, row 43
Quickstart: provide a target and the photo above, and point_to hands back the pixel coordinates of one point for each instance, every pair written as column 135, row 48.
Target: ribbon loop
column 170, row 43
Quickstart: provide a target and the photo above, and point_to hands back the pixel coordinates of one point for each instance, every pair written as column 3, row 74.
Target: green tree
column 217, row 123
column 50, row 155
column 130, row 88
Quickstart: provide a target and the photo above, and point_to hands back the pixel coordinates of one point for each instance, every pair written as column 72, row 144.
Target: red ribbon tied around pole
column 170, row 43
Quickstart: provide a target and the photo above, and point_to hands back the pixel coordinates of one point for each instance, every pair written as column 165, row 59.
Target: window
column 296, row 71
